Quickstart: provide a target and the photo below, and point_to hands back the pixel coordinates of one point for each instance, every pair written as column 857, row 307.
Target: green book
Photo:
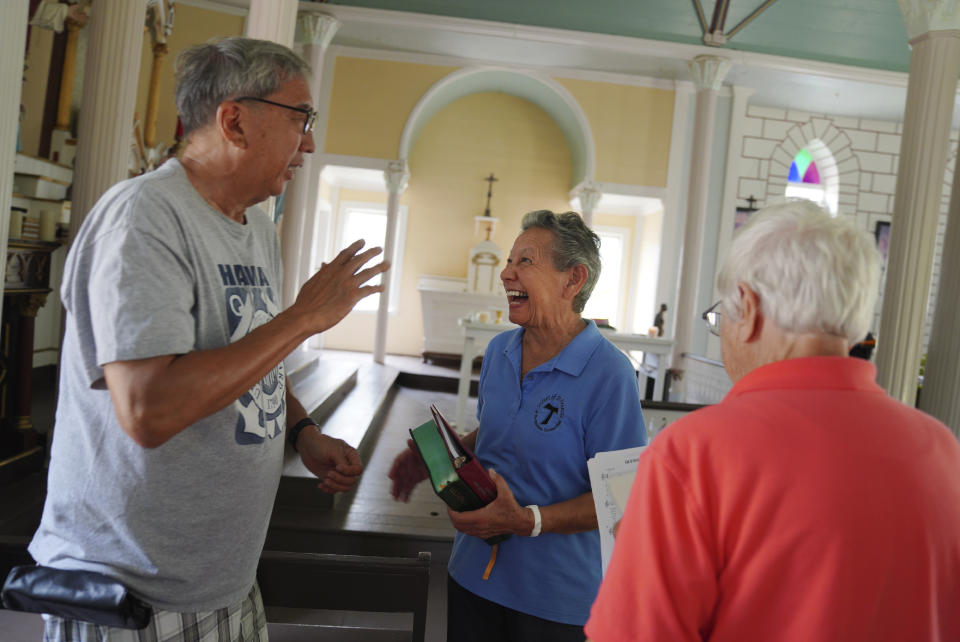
column 444, row 478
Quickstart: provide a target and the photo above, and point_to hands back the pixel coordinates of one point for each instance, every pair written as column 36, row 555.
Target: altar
column 476, row 336
column 444, row 301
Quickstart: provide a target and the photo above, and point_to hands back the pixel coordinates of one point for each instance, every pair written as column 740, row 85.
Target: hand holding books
column 495, row 521
column 456, row 474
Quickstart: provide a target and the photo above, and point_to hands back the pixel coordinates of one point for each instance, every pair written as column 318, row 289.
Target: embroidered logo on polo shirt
column 549, row 413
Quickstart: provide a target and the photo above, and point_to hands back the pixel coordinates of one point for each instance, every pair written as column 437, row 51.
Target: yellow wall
column 372, row 100
column 463, row 143
column 191, row 26
column 631, row 130
column 648, row 270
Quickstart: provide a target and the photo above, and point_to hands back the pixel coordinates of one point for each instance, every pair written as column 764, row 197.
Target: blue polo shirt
column 538, row 434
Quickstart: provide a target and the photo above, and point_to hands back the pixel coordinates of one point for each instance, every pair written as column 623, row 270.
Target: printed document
column 611, row 476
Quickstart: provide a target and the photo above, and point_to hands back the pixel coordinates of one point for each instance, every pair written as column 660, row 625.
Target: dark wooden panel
column 348, row 583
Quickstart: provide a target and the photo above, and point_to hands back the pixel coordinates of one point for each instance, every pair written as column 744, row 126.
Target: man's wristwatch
column 294, row 433
column 536, row 520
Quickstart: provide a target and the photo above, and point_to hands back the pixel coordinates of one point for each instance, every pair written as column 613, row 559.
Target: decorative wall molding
column 633, row 80
column 544, row 92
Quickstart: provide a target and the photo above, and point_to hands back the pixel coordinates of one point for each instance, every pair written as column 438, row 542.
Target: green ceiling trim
column 863, row 33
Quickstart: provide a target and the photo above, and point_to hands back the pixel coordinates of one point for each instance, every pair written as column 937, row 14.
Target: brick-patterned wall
column 857, row 159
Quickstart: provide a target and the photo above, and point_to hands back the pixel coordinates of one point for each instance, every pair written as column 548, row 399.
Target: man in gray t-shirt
column 173, row 403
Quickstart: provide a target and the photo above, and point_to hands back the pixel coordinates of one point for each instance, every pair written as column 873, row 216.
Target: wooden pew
column 347, row 583
column 317, row 581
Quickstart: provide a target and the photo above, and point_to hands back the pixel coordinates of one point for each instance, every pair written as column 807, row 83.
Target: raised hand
column 331, row 293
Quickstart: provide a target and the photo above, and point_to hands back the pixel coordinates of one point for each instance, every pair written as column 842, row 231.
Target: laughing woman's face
column 533, row 285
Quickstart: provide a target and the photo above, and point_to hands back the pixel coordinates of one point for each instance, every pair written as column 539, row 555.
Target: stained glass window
column 804, row 169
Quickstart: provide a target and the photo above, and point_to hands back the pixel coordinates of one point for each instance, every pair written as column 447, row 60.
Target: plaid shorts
column 244, row 621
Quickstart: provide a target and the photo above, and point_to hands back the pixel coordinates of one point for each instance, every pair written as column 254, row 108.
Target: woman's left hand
column 502, row 515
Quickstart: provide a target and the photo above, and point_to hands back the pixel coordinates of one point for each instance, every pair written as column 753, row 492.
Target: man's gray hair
column 574, row 244
column 811, row 271
column 219, row 70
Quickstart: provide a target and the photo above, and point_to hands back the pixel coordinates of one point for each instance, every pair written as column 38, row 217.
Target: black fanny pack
column 74, row 595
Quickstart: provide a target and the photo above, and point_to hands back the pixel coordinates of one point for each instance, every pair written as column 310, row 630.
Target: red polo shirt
column 806, row 506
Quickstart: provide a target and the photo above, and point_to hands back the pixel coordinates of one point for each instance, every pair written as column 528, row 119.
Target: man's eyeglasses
column 712, row 318
column 310, row 115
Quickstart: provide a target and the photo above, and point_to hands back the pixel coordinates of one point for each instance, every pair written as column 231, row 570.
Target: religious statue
column 660, row 319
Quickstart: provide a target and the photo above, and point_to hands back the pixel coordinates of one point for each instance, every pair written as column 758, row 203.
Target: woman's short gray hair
column 811, row 271
column 219, row 70
column 574, row 244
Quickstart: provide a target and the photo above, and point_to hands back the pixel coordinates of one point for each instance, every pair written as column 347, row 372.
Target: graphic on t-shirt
column 251, row 303
column 549, row 413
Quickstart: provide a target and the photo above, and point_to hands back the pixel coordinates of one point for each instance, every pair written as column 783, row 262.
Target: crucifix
column 751, row 202
column 484, row 264
column 490, row 179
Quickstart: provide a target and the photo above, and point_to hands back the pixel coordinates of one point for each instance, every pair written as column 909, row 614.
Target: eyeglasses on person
column 712, row 318
column 310, row 115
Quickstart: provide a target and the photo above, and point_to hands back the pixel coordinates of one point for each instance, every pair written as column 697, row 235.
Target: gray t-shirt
column 155, row 270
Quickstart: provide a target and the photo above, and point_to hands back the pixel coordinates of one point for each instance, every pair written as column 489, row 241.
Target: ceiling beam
column 746, row 21
column 700, row 16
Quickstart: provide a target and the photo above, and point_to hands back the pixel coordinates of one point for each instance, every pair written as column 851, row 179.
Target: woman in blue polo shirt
column 552, row 394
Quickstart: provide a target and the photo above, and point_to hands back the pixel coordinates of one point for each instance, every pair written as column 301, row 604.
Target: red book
column 468, row 467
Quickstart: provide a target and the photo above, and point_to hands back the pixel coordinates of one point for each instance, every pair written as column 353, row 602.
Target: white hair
column 812, row 272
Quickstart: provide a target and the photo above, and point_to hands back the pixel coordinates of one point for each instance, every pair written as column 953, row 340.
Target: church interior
column 664, row 124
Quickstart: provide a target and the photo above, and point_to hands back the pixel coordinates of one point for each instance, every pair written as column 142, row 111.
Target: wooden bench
column 347, row 583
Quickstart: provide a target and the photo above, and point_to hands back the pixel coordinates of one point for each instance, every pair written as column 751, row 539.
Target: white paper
column 611, row 476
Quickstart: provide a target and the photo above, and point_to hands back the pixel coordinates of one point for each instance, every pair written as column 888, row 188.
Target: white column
column 589, row 199
column 396, row 177
column 731, row 184
column 315, row 31
column 931, row 92
column 274, row 20
column 105, row 130
column 941, row 379
column 13, row 39
column 674, row 206
column 708, row 73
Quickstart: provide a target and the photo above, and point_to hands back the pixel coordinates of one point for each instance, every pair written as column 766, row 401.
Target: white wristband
column 536, row 520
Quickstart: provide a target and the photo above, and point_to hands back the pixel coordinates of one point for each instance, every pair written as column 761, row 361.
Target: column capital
column 922, row 16
column 589, row 196
column 709, row 71
column 396, row 176
column 316, row 29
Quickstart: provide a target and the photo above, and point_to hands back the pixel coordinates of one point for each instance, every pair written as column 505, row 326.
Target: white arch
column 546, row 93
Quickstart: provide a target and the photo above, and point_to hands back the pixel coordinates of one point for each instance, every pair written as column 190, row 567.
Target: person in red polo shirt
column 808, row 505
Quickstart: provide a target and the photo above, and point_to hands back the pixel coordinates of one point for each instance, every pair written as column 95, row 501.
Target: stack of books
column 457, row 476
